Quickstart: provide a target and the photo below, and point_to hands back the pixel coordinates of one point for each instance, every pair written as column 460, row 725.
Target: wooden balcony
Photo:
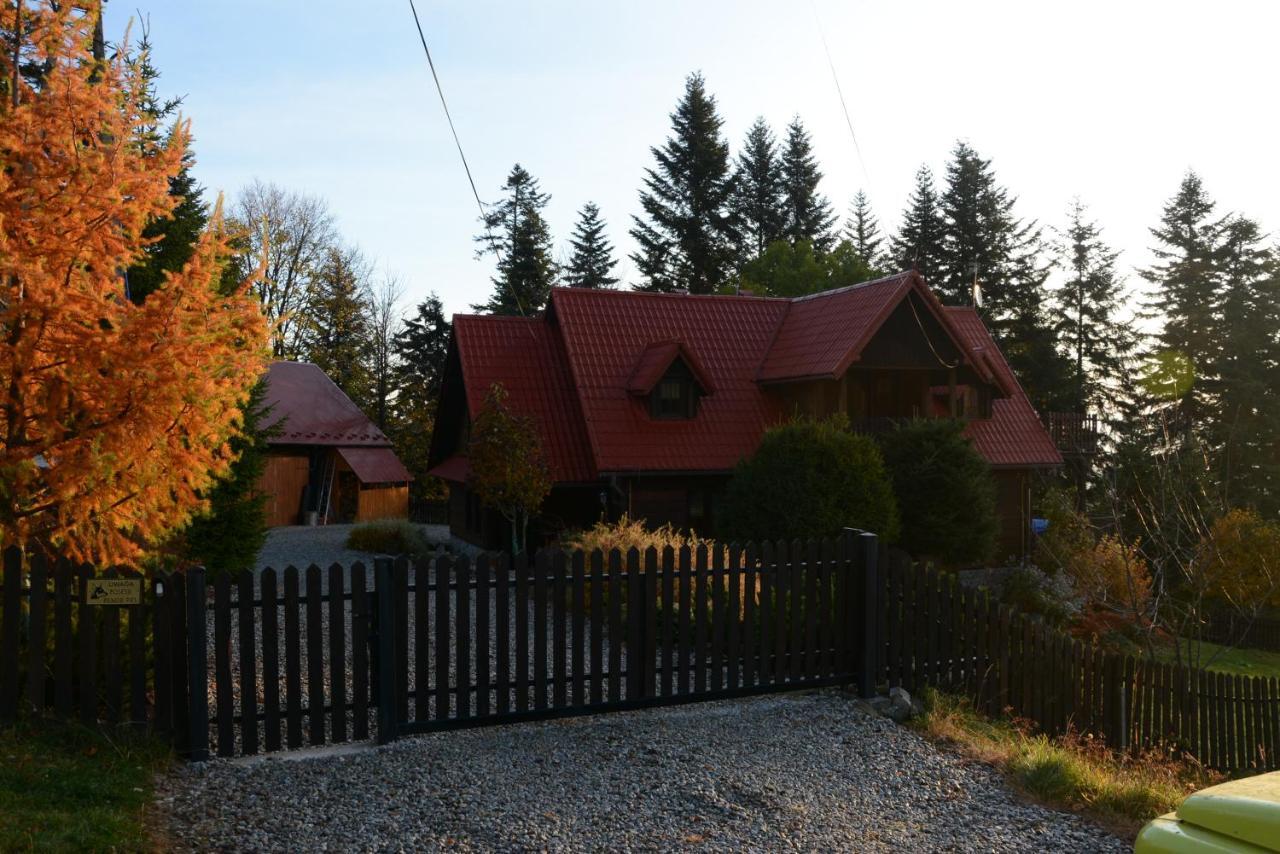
column 1074, row 433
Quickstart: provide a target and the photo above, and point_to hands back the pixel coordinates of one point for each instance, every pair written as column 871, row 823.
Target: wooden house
column 328, row 463
column 646, row 402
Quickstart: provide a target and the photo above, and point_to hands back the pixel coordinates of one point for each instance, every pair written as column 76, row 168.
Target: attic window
column 675, row 397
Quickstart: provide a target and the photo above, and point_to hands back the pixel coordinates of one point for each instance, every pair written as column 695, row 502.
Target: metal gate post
column 383, row 575
column 197, row 666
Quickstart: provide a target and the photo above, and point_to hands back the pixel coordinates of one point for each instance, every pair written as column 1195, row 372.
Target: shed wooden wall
column 383, row 502
column 1013, row 509
column 283, row 482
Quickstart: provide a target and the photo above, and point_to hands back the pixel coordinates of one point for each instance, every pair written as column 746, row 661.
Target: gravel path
column 796, row 772
column 326, row 544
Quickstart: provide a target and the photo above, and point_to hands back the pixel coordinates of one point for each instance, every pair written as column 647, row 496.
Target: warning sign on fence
column 113, row 591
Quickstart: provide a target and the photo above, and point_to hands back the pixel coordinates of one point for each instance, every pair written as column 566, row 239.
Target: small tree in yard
column 810, row 479
column 508, row 470
column 946, row 495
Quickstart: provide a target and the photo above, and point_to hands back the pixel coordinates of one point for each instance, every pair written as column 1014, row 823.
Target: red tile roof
column 575, row 369
column 312, row 410
column 528, row 358
column 455, row 469
column 376, row 465
column 657, row 358
column 605, row 334
column 1013, row 436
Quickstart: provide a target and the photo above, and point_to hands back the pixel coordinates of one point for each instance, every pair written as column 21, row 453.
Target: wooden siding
column 284, row 482
column 1013, row 509
column 382, row 502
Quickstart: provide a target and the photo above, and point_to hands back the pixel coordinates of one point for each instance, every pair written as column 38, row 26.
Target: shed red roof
column 376, row 465
column 312, row 410
column 575, row 370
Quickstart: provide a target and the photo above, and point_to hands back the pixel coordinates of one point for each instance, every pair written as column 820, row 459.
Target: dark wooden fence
column 941, row 635
column 1224, row 627
column 342, row 654
column 111, row 665
column 279, row 660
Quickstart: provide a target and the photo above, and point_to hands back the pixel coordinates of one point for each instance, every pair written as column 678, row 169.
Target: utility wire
column 456, row 141
column 849, row 121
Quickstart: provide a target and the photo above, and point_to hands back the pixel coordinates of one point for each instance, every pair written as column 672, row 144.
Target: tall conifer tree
column 757, row 200
column 686, row 237
column 863, row 231
column 592, row 262
column 337, row 337
column 809, row 215
column 918, row 243
column 1089, row 312
column 1185, row 283
column 421, row 349
column 517, row 233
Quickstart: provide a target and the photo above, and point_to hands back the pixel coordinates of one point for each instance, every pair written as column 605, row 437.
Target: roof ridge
column 668, row 294
column 845, row 289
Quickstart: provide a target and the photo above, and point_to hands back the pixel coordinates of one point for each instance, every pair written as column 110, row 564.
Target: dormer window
column 670, row 379
column 676, row 395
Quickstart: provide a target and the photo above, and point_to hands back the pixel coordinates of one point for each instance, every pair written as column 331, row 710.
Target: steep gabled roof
column 527, row 357
column 824, row 333
column 312, row 410
column 577, row 370
column 1013, row 436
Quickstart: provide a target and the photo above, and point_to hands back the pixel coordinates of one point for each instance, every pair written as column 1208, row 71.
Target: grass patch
column 1236, row 660
column 392, row 537
column 1073, row 773
column 67, row 788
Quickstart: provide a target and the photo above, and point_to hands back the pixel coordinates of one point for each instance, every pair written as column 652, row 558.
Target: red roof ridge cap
column 845, row 289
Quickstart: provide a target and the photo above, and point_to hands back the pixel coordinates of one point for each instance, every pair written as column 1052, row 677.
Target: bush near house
column 389, row 537
column 810, row 478
column 946, row 495
column 628, row 533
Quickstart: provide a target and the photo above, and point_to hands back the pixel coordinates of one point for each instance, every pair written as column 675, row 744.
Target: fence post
column 1116, row 713
column 197, row 667
column 864, row 553
column 383, row 574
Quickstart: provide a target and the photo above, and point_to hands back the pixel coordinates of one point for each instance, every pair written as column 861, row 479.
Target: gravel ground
column 326, row 544
column 796, row 772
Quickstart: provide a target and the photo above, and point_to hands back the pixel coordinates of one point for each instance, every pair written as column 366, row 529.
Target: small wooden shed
column 328, row 462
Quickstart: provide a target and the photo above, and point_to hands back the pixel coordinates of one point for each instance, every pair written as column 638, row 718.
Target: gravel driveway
column 798, row 772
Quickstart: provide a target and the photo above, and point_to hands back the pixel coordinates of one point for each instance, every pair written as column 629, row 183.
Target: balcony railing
column 1073, row 432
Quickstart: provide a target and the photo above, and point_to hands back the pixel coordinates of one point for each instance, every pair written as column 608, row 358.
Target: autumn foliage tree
column 508, row 469
column 116, row 416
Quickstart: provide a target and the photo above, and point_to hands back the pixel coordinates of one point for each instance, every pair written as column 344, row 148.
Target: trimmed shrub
column 392, row 537
column 1238, row 560
column 810, row 479
column 946, row 495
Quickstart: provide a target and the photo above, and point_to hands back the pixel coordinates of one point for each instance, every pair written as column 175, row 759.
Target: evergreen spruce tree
column 592, row 262
column 686, row 237
column 174, row 236
column 517, row 233
column 984, row 243
column 228, row 537
column 918, row 243
column 863, row 231
column 757, row 199
column 1089, row 313
column 1186, row 285
column 337, row 338
column 1245, row 431
column 808, row 213
column 421, row 348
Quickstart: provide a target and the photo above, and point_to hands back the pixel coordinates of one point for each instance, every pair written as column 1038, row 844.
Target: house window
column 675, row 396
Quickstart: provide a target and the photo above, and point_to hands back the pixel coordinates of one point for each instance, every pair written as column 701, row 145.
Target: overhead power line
column 839, row 93
column 458, row 142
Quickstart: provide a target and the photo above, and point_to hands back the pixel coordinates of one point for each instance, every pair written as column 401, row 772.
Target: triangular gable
column 657, row 359
column 823, row 334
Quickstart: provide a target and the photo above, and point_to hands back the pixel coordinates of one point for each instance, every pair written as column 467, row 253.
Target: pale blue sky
column 1112, row 101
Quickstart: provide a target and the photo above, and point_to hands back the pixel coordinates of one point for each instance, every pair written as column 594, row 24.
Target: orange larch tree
column 113, row 416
